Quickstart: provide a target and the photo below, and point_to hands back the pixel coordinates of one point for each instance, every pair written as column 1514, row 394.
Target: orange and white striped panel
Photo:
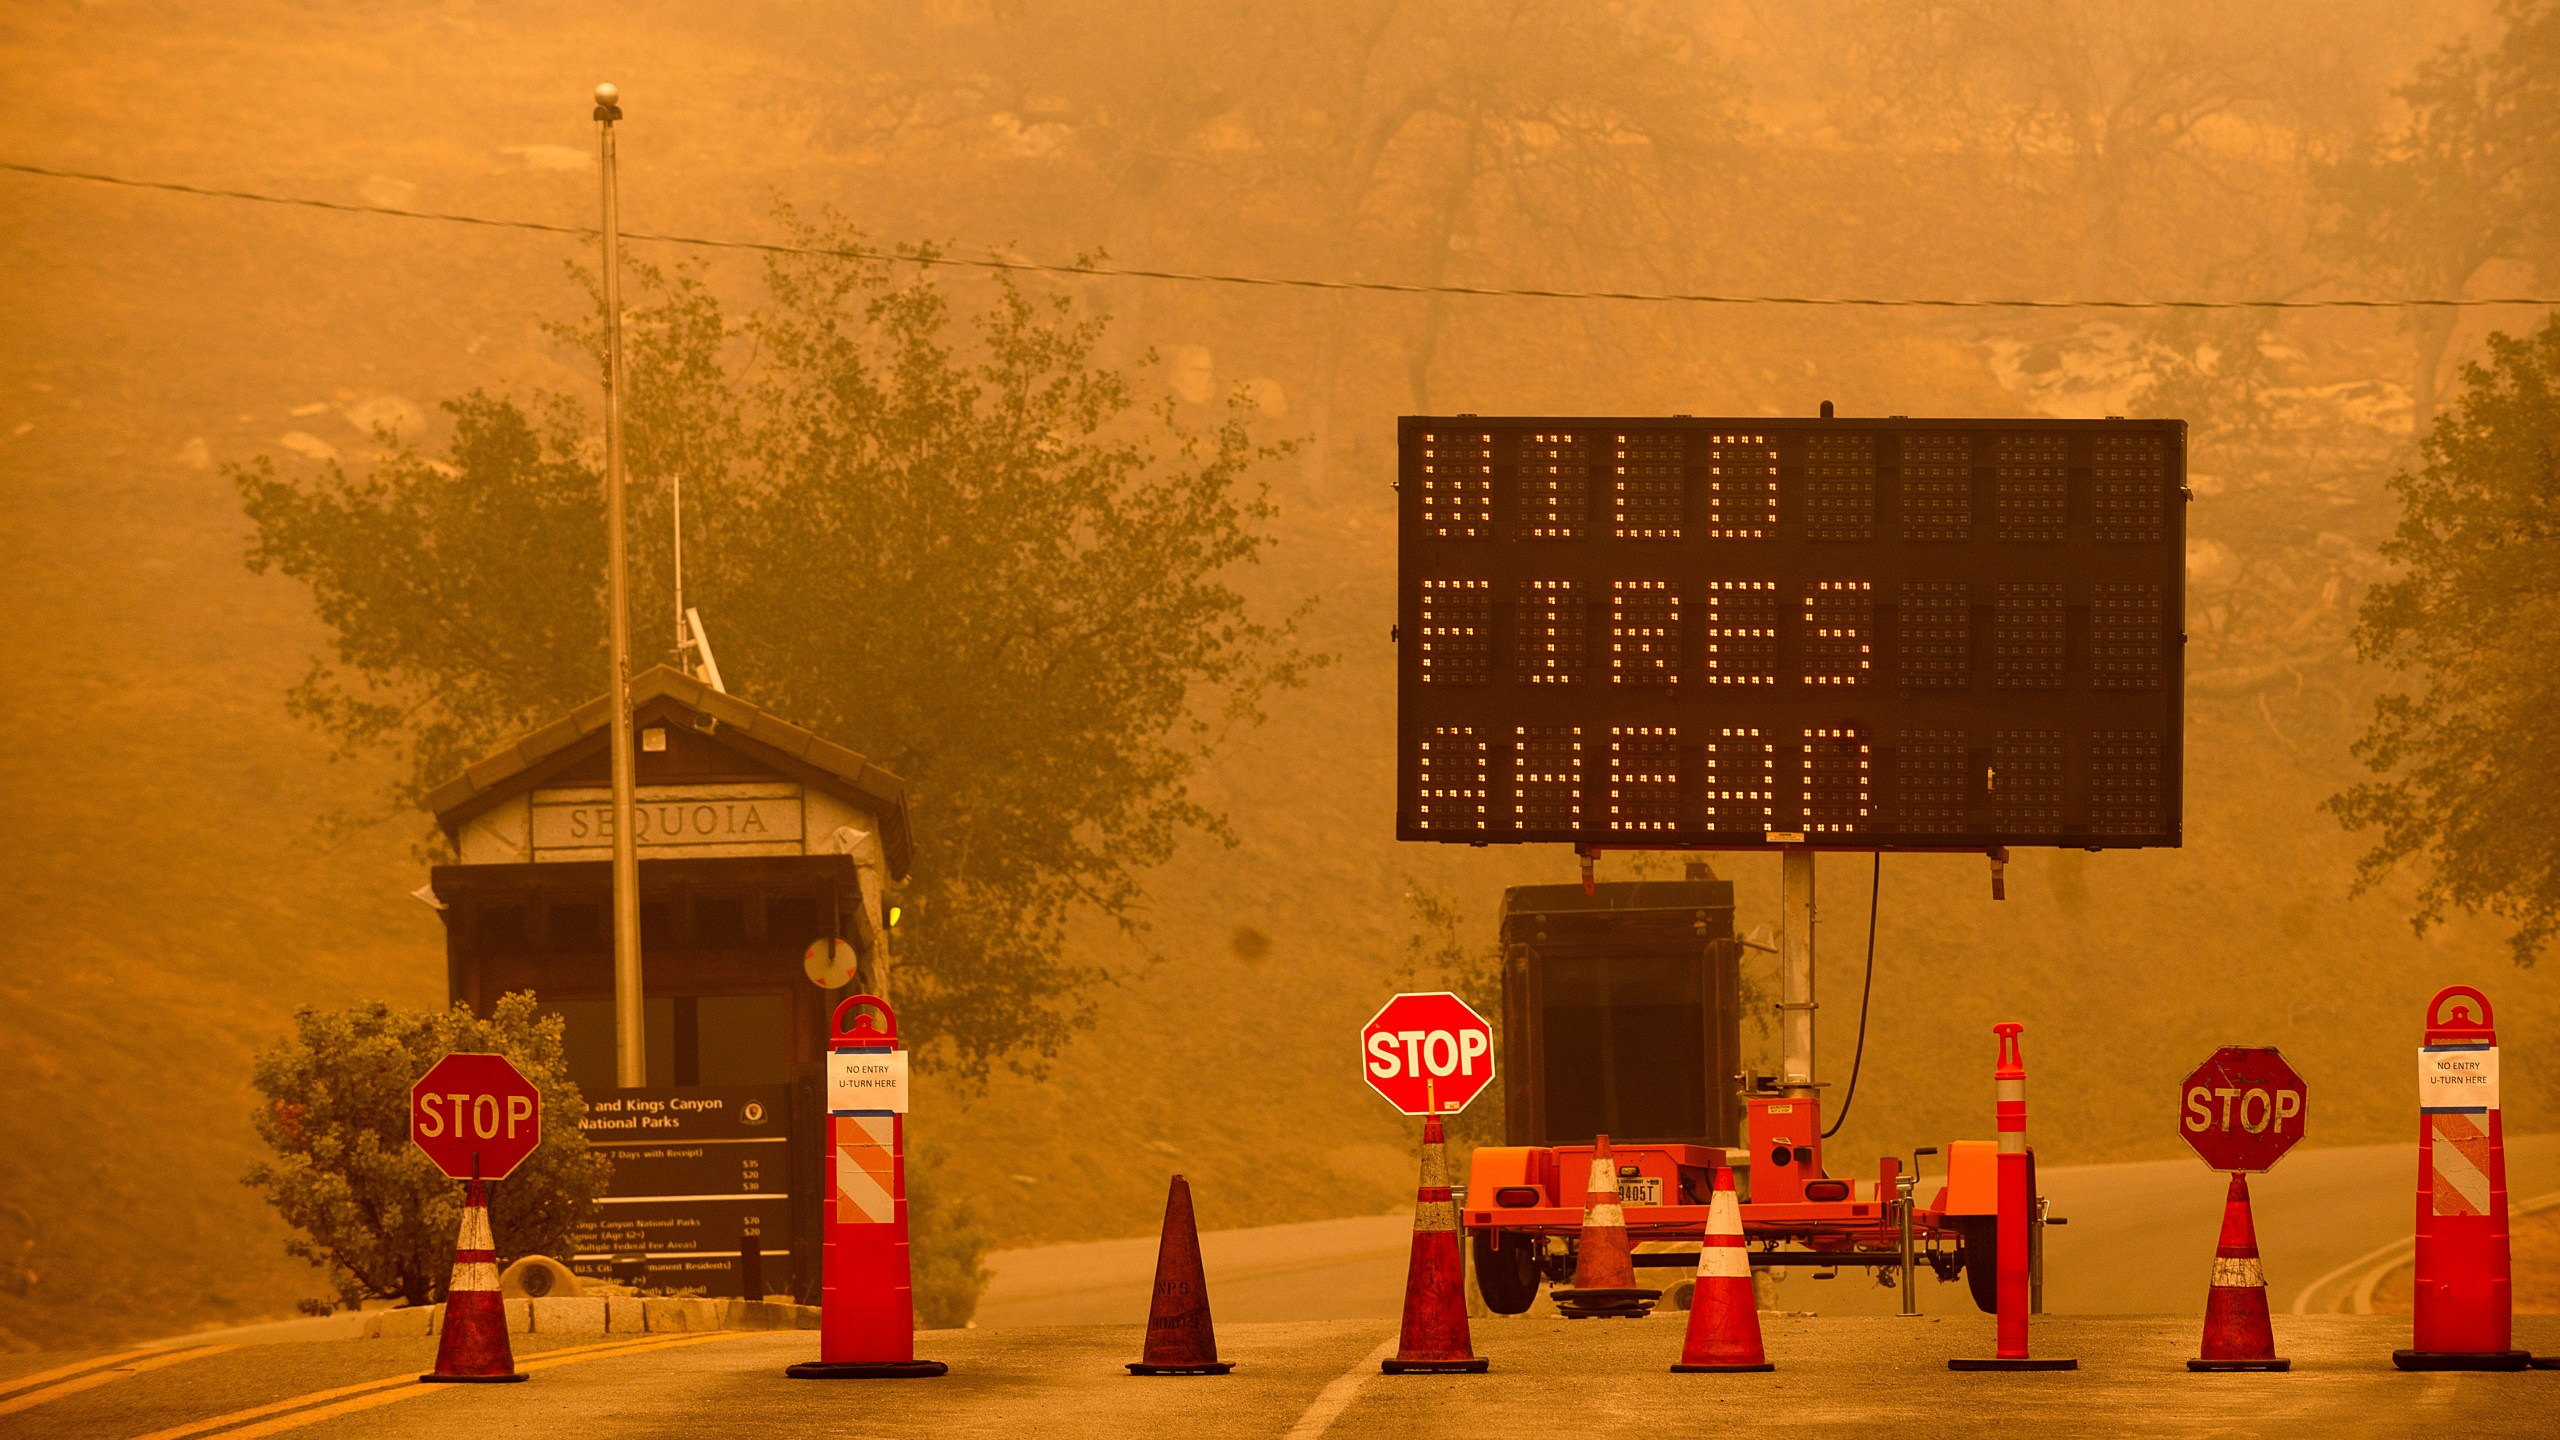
column 865, row 1169
column 2458, row 1158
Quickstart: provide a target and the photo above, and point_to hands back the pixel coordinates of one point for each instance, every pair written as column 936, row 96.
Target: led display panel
column 1719, row 633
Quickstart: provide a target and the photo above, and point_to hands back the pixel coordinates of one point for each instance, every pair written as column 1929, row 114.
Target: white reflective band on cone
column 1608, row 1217
column 1603, row 1176
column 1723, row 1262
column 1435, row 1167
column 475, row 1230
column 1436, row 1215
column 2241, row 1274
column 2013, row 1142
column 2011, row 1089
column 469, row 1275
column 1724, row 1216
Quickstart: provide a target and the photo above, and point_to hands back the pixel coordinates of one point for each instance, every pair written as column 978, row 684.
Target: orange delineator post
column 867, row 1320
column 2017, row 1203
column 2463, row 1299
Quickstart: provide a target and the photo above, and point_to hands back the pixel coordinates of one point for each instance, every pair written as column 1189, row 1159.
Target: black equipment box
column 1621, row 1013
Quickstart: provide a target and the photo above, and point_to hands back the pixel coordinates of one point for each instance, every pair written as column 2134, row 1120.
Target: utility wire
column 1292, row 282
column 1875, row 887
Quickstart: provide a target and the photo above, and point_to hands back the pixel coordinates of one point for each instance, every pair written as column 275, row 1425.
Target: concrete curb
column 605, row 1315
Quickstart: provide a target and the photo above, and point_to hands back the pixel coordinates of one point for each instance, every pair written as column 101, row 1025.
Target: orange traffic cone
column 1434, row 1339
column 473, row 1346
column 1724, row 1313
column 2237, row 1333
column 1604, row 1267
column 1180, row 1340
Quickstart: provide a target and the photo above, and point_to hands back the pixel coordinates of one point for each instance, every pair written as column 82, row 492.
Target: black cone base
column 2544, row 1362
column 2462, row 1359
column 1721, row 1369
column 1473, row 1366
column 1604, row 1304
column 473, row 1379
column 1205, row 1367
column 1996, row 1363
column 2269, row 1363
column 867, row 1369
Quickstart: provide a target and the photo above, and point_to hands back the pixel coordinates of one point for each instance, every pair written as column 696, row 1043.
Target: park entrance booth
column 765, row 855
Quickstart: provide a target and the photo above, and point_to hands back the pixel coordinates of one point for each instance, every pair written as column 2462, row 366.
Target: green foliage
column 2465, row 182
column 1439, row 955
column 372, row 1209
column 2469, row 178
column 945, row 1245
column 2472, row 759
column 977, row 557
column 455, row 621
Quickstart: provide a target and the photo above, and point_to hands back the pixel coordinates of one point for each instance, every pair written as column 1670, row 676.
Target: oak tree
column 2470, row 756
column 942, row 533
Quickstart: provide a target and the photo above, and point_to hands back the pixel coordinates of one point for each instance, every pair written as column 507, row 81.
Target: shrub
column 372, row 1210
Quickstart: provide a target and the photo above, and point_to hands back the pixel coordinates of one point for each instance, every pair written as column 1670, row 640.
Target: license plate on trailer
column 1640, row 1190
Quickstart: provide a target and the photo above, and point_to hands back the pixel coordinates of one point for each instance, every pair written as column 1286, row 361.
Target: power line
column 1292, row 282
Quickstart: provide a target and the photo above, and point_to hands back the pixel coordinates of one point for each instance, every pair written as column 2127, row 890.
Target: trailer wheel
column 1981, row 1259
column 1507, row 1278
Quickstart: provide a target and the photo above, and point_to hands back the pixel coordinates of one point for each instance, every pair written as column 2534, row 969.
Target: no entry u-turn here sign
column 1429, row 1054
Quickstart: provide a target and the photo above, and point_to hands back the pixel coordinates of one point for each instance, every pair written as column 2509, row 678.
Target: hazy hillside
column 172, row 896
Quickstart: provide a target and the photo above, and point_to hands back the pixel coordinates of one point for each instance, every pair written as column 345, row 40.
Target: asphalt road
column 1847, row 1376
column 2139, row 1242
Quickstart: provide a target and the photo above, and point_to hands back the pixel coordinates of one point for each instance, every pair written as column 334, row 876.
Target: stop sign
column 2243, row 1108
column 475, row 1107
column 1428, row 1053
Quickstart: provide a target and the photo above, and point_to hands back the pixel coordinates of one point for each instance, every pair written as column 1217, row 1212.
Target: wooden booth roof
column 561, row 753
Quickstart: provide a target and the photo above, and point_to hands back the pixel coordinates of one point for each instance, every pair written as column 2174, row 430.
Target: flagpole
column 630, row 1024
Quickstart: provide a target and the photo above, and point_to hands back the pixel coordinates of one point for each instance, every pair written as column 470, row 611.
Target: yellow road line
column 384, row 1397
column 366, row 1394
column 199, row 1427
column 96, row 1378
column 75, row 1367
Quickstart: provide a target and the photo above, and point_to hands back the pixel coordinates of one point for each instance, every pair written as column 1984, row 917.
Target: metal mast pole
column 630, row 1025
column 1795, row 973
column 675, row 488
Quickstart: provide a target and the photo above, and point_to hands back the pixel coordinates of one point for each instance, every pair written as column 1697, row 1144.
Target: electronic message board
column 1717, row 633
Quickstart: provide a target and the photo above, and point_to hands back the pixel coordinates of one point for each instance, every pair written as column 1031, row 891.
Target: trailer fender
column 1973, row 1178
column 1496, row 1168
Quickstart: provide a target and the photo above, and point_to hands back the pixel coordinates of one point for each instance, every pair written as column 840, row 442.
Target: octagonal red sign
column 2243, row 1108
column 481, row 1106
column 1427, row 1053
